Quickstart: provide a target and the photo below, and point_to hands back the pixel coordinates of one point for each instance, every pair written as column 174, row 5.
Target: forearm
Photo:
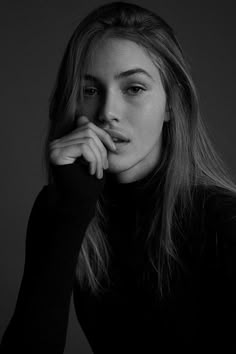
column 55, row 232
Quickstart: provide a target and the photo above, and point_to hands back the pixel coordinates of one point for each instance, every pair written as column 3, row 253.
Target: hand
column 88, row 141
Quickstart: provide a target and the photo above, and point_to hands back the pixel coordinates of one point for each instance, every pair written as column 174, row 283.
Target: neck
column 139, row 189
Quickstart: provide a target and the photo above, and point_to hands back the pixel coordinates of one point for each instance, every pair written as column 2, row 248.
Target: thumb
column 81, row 120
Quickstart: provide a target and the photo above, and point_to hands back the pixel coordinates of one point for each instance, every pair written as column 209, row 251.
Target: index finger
column 81, row 120
column 102, row 134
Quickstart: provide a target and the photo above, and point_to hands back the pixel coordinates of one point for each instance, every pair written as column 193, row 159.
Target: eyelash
column 131, row 87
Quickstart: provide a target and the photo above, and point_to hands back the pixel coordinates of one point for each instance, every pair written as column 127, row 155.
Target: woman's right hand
column 88, row 141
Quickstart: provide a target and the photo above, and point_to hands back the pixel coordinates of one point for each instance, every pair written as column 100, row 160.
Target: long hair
column 188, row 158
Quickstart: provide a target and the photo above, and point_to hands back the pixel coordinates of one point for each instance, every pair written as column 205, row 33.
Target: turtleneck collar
column 141, row 189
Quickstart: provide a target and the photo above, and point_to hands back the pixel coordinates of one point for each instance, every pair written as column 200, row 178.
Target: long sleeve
column 219, row 272
column 58, row 220
column 226, row 240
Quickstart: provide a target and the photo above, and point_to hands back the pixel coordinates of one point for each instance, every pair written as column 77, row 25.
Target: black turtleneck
column 129, row 209
column 128, row 316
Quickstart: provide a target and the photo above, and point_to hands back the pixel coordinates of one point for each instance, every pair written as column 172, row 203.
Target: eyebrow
column 123, row 74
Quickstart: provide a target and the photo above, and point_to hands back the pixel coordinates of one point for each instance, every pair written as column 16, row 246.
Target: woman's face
column 134, row 103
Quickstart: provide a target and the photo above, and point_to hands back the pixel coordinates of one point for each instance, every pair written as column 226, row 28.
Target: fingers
column 81, row 120
column 102, row 134
column 99, row 163
column 83, row 123
column 68, row 152
column 89, row 134
column 91, row 155
column 87, row 140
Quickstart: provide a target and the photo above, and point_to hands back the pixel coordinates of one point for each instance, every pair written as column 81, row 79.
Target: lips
column 117, row 136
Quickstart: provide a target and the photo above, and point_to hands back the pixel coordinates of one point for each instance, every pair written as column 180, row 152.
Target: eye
column 135, row 90
column 89, row 91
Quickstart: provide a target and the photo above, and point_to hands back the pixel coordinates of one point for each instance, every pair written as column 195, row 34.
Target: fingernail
column 113, row 145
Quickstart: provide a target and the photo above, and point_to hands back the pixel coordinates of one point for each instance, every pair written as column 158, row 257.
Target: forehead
column 113, row 55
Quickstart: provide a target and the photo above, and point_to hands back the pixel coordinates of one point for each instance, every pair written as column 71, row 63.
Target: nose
column 109, row 110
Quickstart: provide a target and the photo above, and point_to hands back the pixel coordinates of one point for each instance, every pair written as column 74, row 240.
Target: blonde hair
column 188, row 158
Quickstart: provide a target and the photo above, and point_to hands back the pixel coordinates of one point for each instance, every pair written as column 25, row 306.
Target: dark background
column 33, row 37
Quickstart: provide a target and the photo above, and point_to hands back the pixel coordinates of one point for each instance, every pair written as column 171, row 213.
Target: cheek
column 149, row 122
column 87, row 110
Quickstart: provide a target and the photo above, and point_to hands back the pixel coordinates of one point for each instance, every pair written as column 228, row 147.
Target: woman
column 138, row 217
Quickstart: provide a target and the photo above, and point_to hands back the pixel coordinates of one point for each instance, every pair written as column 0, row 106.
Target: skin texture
column 117, row 103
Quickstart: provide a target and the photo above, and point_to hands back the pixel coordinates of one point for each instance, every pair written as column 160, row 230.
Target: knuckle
column 90, row 140
column 54, row 155
column 90, row 133
column 90, row 125
column 104, row 154
column 92, row 159
column 83, row 146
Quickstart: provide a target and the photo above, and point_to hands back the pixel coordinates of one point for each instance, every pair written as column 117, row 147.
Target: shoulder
column 217, row 207
column 211, row 227
column 45, row 197
column 218, row 204
column 212, row 205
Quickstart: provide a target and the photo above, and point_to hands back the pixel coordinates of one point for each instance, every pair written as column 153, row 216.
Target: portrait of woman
column 137, row 223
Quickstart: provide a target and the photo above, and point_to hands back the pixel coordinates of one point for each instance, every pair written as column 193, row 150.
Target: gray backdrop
column 33, row 37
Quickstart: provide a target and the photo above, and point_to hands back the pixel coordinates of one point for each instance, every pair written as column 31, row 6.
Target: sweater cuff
column 74, row 184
